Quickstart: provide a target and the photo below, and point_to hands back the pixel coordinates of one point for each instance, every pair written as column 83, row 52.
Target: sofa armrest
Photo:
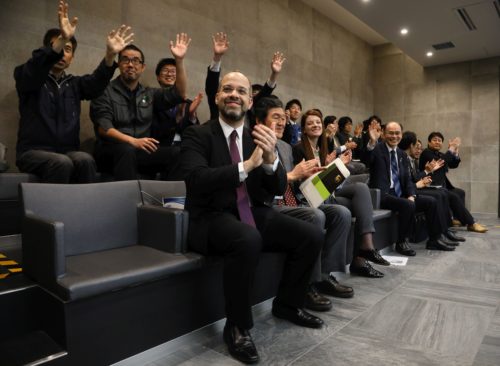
column 162, row 228
column 376, row 197
column 43, row 249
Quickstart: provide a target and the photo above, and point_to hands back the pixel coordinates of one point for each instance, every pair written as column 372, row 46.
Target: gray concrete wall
column 327, row 67
column 459, row 100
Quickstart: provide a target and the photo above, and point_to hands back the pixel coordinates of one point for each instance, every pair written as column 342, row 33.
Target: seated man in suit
column 335, row 219
column 423, row 181
column 451, row 161
column 232, row 175
column 389, row 172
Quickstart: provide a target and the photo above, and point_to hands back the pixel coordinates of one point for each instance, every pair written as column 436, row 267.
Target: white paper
column 396, row 260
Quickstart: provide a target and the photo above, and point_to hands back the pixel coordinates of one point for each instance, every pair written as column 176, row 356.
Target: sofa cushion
column 95, row 273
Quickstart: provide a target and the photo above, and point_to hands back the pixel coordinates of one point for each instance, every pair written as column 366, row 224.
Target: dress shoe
column 448, row 242
column 317, row 302
column 240, row 344
column 296, row 315
column 405, row 249
column 332, row 287
column 365, row 270
column 451, row 235
column 477, row 228
column 438, row 244
column 373, row 256
column 456, row 223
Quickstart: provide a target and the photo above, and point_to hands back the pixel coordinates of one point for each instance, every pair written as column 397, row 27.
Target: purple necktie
column 243, row 201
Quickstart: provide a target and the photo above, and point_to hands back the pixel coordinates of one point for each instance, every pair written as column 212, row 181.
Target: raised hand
column 453, row 144
column 254, row 161
column 67, row 27
column 433, row 165
column 358, row 129
column 221, row 44
column 330, row 157
column 265, row 138
column 196, row 103
column 346, row 157
column 374, row 131
column 351, row 145
column 119, row 39
column 179, row 49
column 277, row 62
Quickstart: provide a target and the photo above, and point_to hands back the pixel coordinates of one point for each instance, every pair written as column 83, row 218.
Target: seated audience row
column 242, row 168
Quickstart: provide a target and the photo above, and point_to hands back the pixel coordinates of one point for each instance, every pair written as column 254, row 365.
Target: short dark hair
column 261, row 109
column 56, row 32
column 435, row 134
column 343, row 121
column 366, row 123
column 293, row 101
column 164, row 62
column 134, row 48
column 409, row 138
column 329, row 120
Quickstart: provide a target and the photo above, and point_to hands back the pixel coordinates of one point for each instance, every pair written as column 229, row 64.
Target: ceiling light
column 404, row 31
column 366, row 1
column 429, row 54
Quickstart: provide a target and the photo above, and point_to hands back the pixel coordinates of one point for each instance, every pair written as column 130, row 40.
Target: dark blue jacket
column 50, row 109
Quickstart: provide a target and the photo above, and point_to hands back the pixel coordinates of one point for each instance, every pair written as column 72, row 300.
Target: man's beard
column 232, row 115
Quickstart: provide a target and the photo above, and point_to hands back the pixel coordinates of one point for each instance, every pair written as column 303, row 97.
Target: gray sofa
column 81, row 240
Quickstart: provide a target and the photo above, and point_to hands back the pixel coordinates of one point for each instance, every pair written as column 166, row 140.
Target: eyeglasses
column 168, row 71
column 125, row 60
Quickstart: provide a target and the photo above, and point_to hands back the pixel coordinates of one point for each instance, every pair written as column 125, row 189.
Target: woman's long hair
column 322, row 142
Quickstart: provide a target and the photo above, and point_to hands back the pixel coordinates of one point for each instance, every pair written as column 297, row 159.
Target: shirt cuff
column 241, row 172
column 215, row 66
column 369, row 146
column 343, row 148
column 269, row 169
column 271, row 84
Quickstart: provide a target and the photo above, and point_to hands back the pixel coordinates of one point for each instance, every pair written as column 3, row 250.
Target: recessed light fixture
column 404, row 31
column 429, row 54
column 366, row 1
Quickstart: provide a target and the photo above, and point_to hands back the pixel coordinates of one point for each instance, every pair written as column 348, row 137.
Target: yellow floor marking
column 7, row 263
column 3, row 275
column 15, row 270
column 2, row 256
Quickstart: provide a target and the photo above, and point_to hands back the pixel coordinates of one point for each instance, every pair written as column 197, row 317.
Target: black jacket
column 50, row 109
column 380, row 170
column 211, row 177
column 439, row 176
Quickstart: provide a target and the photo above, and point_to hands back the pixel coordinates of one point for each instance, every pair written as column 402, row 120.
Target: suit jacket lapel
column 221, row 142
column 248, row 145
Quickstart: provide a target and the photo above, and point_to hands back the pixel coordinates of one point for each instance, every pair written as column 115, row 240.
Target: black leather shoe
column 296, row 315
column 373, row 256
column 365, row 270
column 332, row 287
column 450, row 243
column 437, row 244
column 450, row 235
column 240, row 344
column 317, row 302
column 405, row 249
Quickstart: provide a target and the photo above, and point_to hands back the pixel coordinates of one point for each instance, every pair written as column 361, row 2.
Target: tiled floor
column 440, row 309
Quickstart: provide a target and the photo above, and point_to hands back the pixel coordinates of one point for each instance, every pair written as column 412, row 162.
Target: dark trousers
column 441, row 196
column 125, row 161
column 51, row 167
column 431, row 209
column 406, row 211
column 241, row 244
column 457, row 205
